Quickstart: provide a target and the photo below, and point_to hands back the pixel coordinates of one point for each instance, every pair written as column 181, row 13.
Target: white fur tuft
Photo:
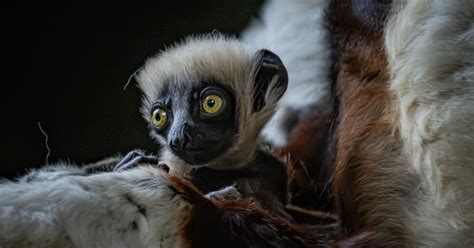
column 134, row 208
column 430, row 46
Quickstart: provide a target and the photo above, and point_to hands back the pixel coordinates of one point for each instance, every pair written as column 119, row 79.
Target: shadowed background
column 65, row 67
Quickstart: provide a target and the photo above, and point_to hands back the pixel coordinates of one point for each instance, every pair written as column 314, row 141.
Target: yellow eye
column 159, row 118
column 212, row 104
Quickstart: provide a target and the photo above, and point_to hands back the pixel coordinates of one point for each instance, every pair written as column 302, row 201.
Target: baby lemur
column 206, row 101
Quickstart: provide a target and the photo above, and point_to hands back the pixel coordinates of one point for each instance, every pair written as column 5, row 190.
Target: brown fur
column 242, row 223
column 370, row 179
column 238, row 223
column 361, row 153
column 307, row 159
column 306, row 216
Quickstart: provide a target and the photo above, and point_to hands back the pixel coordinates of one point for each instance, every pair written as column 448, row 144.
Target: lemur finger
column 227, row 193
column 129, row 157
column 133, row 154
column 140, row 159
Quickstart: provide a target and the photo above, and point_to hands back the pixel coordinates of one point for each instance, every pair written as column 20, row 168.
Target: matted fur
column 295, row 30
column 212, row 58
column 430, row 46
column 134, row 208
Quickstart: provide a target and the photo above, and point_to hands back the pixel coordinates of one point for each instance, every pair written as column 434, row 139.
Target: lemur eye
column 159, row 118
column 212, row 104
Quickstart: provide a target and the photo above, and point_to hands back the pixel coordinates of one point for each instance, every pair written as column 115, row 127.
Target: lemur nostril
column 186, row 133
column 174, row 146
column 178, row 144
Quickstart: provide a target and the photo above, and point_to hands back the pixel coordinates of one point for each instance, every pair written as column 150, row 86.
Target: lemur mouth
column 194, row 150
column 208, row 140
column 196, row 156
column 198, row 152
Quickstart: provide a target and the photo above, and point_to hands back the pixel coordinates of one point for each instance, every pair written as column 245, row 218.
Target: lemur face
column 207, row 99
column 197, row 121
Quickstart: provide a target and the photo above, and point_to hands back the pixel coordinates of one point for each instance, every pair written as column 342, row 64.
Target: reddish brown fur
column 306, row 157
column 238, row 223
column 242, row 223
column 368, row 182
column 306, row 216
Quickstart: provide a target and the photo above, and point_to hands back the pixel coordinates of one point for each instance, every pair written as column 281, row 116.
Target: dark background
column 65, row 67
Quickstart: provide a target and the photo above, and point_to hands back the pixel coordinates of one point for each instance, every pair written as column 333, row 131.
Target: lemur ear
column 271, row 78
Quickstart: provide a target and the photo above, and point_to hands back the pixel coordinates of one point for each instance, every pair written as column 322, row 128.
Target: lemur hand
column 227, row 193
column 136, row 157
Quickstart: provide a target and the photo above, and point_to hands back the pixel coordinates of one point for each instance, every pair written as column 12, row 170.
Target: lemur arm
column 264, row 179
column 268, row 184
column 114, row 163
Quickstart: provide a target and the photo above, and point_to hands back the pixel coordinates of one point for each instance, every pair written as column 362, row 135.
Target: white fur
column 92, row 211
column 52, row 172
column 295, row 31
column 430, row 46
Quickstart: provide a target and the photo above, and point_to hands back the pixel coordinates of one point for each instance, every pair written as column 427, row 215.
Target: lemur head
column 207, row 99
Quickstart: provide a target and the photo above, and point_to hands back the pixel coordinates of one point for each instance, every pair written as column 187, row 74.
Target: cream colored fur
column 430, row 46
column 212, row 58
column 134, row 208
column 295, row 31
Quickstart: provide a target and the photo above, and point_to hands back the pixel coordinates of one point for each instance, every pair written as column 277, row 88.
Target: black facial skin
column 193, row 135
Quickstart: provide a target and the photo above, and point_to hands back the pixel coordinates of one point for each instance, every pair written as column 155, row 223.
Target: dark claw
column 134, row 158
column 164, row 167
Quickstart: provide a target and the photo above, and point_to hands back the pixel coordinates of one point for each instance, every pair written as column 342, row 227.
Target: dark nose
column 179, row 142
